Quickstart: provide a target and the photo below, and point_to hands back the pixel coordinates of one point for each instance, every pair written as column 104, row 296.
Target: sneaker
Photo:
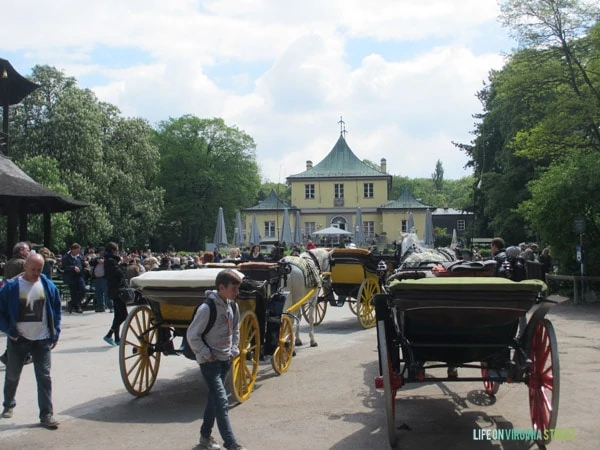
column 49, row 422
column 208, row 443
column 109, row 341
column 7, row 413
column 237, row 446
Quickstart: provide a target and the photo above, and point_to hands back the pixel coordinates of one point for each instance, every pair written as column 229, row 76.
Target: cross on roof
column 342, row 127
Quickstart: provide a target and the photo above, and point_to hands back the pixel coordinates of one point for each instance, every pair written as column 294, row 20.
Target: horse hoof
column 298, row 343
column 314, row 344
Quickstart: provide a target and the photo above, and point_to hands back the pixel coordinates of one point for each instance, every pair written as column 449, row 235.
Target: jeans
column 17, row 353
column 77, row 290
column 217, row 407
column 101, row 292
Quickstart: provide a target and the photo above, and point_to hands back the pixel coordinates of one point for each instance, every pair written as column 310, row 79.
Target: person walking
column 72, row 264
column 215, row 344
column 100, row 284
column 30, row 314
column 115, row 279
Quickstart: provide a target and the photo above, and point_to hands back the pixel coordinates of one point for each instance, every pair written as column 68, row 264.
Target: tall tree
column 438, row 176
column 205, row 164
column 103, row 159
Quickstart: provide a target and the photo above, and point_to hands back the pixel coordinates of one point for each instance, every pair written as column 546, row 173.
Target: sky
column 403, row 74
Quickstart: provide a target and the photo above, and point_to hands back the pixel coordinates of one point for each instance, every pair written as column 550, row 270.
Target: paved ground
column 326, row 401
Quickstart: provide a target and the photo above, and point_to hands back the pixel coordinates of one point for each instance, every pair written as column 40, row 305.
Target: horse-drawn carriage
column 354, row 276
column 170, row 299
column 468, row 323
column 353, row 279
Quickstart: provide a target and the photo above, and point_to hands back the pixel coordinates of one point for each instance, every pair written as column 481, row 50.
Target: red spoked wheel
column 544, row 379
column 491, row 387
column 391, row 383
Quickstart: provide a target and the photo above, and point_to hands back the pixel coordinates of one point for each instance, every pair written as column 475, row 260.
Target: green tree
column 438, row 176
column 103, row 159
column 205, row 164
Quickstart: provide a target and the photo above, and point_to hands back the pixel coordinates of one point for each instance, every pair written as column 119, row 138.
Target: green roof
column 272, row 201
column 405, row 201
column 340, row 162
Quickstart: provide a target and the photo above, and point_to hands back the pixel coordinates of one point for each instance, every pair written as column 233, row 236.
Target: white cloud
column 281, row 70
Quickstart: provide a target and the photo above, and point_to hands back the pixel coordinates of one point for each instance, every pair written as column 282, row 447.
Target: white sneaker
column 208, row 443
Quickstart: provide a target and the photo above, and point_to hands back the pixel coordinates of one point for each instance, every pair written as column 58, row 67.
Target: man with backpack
column 213, row 336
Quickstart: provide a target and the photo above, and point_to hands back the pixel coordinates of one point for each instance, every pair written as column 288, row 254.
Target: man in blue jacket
column 30, row 314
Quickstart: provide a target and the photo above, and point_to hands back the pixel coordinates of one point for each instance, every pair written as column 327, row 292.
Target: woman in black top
column 255, row 254
column 115, row 279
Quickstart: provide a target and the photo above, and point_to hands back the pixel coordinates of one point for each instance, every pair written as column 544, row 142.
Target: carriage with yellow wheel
column 170, row 299
column 353, row 280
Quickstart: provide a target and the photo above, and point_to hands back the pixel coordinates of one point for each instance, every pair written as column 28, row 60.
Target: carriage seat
column 357, row 256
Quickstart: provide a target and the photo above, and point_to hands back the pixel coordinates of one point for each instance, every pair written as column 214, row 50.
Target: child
column 214, row 348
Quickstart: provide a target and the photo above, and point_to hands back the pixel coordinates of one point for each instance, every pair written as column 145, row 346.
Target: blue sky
column 402, row 73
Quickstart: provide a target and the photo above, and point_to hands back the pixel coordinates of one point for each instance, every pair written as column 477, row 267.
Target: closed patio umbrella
column 297, row 229
column 238, row 237
column 286, row 231
column 411, row 223
column 254, row 237
column 429, row 239
column 220, row 232
column 359, row 232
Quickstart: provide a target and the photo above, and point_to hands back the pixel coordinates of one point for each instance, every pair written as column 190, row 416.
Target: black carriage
column 469, row 322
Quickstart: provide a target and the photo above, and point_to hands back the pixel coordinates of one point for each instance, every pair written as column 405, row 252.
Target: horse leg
column 311, row 318
column 298, row 317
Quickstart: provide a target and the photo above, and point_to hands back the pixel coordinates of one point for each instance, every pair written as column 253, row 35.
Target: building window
column 270, row 228
column 461, row 225
column 404, row 225
column 309, row 228
column 369, row 228
column 338, row 190
column 309, row 191
column 368, row 188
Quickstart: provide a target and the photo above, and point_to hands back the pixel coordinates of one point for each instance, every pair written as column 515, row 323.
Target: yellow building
column 331, row 194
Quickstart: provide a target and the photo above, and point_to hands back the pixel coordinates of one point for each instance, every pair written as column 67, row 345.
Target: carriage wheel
column 388, row 390
column 139, row 358
column 320, row 310
column 544, row 380
column 282, row 356
column 353, row 306
column 245, row 366
column 491, row 387
column 365, row 307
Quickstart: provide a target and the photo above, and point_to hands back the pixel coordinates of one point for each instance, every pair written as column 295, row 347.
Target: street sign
column 579, row 224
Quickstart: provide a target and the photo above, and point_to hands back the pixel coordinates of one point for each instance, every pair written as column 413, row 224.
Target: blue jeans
column 101, row 292
column 217, row 406
column 17, row 353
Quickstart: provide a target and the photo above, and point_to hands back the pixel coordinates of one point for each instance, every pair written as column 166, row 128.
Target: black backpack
column 212, row 318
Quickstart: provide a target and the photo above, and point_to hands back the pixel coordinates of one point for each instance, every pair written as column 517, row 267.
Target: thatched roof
column 19, row 192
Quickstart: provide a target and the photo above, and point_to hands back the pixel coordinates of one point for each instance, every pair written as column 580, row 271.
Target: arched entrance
column 340, row 222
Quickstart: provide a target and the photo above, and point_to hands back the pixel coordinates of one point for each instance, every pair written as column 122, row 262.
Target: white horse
column 413, row 255
column 304, row 277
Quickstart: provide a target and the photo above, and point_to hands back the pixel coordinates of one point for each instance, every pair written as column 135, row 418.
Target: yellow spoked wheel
column 282, row 356
column 320, row 310
column 139, row 358
column 244, row 368
column 365, row 306
column 353, row 305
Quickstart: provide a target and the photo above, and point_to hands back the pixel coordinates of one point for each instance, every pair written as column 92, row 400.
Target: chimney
column 308, row 164
column 383, row 165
